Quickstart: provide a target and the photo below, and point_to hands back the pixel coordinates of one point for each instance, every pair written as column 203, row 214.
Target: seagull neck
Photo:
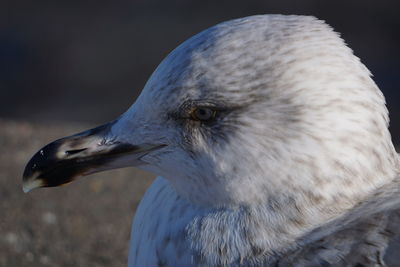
column 249, row 231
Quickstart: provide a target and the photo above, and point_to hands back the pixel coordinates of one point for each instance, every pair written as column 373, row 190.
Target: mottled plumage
column 287, row 172
column 272, row 145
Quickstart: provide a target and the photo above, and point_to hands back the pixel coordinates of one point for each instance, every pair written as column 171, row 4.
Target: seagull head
column 249, row 110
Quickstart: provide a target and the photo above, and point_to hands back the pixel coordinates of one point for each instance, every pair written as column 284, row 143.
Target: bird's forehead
column 240, row 60
column 223, row 60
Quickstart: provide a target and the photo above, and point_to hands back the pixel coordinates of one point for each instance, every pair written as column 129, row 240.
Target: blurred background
column 69, row 65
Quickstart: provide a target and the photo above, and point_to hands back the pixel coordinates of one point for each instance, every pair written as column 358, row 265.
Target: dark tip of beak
column 43, row 169
column 59, row 162
column 44, row 156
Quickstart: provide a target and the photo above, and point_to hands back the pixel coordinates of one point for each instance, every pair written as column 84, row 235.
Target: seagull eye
column 203, row 114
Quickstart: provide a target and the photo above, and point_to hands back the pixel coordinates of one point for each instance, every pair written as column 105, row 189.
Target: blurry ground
column 86, row 223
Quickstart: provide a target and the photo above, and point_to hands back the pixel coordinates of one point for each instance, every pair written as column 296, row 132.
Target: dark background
column 88, row 60
column 69, row 65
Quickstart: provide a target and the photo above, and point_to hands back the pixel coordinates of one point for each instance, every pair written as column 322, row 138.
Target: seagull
column 271, row 145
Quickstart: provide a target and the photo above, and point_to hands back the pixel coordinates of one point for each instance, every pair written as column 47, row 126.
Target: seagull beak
column 63, row 160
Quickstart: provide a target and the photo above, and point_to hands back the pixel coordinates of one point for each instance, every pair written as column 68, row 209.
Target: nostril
column 74, row 151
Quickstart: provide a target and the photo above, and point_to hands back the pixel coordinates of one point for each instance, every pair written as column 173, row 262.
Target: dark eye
column 203, row 114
